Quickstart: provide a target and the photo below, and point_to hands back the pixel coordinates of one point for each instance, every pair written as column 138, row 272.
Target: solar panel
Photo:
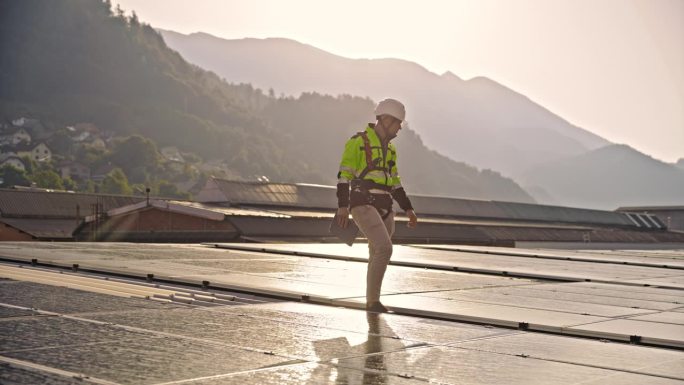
column 296, row 342
column 633, row 219
column 644, row 219
column 657, row 220
column 652, row 219
column 488, row 290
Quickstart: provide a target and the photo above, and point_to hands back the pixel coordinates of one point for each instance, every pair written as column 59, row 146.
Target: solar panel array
column 464, row 315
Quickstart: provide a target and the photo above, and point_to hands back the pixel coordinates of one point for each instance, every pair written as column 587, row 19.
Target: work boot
column 376, row 307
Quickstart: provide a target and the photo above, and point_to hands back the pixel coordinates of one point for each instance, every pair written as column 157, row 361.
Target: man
column 369, row 168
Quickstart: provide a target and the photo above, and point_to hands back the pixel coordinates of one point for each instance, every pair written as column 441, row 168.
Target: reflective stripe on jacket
column 354, row 161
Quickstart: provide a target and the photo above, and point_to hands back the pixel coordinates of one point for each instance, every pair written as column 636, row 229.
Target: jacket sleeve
column 347, row 171
column 398, row 192
column 349, row 162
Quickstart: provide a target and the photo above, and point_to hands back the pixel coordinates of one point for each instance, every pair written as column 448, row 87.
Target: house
column 25, row 122
column 172, row 154
column 14, row 135
column 173, row 158
column 38, row 152
column 37, row 214
column 87, row 133
column 12, row 160
column 37, row 130
column 156, row 220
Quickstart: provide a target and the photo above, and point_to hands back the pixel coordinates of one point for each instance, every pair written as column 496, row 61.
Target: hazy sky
column 613, row 67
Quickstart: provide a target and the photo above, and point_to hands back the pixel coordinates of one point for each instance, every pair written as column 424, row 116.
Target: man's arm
column 345, row 174
column 342, row 215
column 399, row 195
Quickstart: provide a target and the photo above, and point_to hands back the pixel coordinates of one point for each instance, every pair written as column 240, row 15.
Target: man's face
column 392, row 125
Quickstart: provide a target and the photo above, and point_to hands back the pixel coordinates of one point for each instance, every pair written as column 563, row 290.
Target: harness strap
column 369, row 155
column 366, row 148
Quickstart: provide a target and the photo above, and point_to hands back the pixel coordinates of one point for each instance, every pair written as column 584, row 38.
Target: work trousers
column 379, row 234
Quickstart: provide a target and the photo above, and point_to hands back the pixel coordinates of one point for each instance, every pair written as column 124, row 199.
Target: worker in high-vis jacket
column 367, row 182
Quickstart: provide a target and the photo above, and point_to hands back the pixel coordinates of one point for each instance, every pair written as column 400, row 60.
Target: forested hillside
column 75, row 61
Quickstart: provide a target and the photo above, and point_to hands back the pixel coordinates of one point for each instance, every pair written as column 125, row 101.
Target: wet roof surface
column 88, row 327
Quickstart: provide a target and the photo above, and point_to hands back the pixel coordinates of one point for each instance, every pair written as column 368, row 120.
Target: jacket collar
column 370, row 130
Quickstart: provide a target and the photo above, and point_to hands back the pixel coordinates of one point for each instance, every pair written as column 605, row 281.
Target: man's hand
column 342, row 217
column 413, row 219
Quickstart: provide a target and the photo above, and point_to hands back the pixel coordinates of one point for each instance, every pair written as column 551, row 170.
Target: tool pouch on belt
column 360, row 195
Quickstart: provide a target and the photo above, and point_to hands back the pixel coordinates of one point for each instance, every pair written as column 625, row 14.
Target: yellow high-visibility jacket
column 384, row 171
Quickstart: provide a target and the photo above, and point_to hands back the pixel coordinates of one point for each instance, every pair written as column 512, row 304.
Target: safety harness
column 369, row 155
column 360, row 193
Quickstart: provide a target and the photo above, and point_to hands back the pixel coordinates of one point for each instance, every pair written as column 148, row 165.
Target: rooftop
column 291, row 313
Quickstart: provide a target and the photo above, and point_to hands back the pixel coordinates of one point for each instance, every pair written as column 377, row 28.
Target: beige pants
column 379, row 235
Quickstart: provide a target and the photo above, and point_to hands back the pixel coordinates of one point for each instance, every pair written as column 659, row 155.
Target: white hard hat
column 391, row 107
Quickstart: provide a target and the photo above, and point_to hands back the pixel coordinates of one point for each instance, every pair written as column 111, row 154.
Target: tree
column 87, row 186
column 61, row 143
column 11, row 176
column 116, row 182
column 47, row 179
column 29, row 164
column 136, row 152
column 169, row 190
column 70, row 184
column 91, row 156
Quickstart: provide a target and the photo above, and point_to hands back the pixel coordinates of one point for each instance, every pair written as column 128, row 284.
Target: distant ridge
column 609, row 177
column 477, row 121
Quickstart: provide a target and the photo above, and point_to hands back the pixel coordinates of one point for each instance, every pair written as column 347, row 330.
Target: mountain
column 307, row 120
column 72, row 61
column 680, row 163
column 610, row 177
column 477, row 121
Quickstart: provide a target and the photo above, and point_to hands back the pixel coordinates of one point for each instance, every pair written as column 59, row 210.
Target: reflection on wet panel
column 310, row 374
column 614, row 355
column 284, row 337
column 148, row 360
column 412, row 330
column 459, row 366
column 481, row 261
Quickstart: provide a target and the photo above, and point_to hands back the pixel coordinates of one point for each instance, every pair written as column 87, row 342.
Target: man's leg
column 389, row 224
column 379, row 246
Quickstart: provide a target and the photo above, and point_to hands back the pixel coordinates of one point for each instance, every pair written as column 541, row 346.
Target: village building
column 39, row 152
column 13, row 136
column 37, row 130
column 155, row 220
column 173, row 158
column 38, row 214
column 12, row 160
